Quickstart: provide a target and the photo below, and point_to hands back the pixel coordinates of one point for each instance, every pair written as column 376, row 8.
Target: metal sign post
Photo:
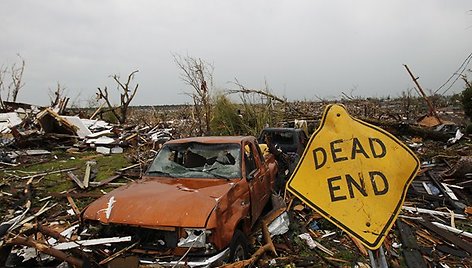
column 377, row 258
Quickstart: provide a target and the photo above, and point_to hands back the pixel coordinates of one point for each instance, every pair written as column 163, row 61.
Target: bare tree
column 127, row 95
column 198, row 74
column 3, row 72
column 16, row 79
column 13, row 87
column 266, row 93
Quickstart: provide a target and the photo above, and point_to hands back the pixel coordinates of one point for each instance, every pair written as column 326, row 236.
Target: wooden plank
column 75, row 179
column 456, row 204
column 73, row 205
column 450, row 237
column 129, row 167
column 359, row 245
column 453, row 251
column 48, row 173
column 413, row 257
column 106, row 181
column 453, row 229
column 87, row 174
column 76, row 195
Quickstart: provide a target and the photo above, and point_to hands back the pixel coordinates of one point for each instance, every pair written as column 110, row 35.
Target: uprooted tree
column 198, row 74
column 127, row 95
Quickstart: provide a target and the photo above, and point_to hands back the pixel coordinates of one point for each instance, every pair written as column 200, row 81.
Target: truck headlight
column 196, row 238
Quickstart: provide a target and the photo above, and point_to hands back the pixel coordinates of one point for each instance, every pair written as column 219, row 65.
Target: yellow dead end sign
column 355, row 174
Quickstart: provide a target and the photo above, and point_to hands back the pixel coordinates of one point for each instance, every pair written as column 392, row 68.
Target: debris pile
column 39, row 220
column 22, row 130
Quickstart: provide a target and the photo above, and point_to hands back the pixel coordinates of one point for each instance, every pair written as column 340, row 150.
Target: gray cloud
column 303, row 48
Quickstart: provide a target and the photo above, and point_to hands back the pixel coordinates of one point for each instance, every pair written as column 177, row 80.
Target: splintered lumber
column 456, row 204
column 48, row 173
column 452, row 229
column 87, row 174
column 129, row 167
column 337, row 260
column 91, row 242
column 413, row 257
column 76, row 195
column 61, row 237
column 434, row 212
column 106, row 181
column 359, row 245
column 73, row 205
column 19, row 240
column 453, row 251
column 117, row 254
column 75, row 179
column 97, row 111
column 450, row 237
column 43, row 209
column 112, row 184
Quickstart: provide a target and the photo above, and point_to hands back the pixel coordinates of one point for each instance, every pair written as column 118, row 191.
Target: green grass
column 105, row 167
column 347, row 255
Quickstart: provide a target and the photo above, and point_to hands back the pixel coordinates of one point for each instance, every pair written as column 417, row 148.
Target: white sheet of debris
column 82, row 130
column 8, row 120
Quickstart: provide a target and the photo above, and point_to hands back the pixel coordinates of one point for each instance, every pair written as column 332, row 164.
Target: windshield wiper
column 157, row 172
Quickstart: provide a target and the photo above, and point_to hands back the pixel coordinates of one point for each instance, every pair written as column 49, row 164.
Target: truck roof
column 281, row 129
column 213, row 139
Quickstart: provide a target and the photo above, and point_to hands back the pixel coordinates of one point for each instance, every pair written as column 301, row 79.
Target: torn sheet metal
column 193, row 239
column 456, row 138
column 280, row 225
column 161, row 136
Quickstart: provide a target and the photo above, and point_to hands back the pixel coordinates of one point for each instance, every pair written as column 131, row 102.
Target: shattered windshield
column 198, row 160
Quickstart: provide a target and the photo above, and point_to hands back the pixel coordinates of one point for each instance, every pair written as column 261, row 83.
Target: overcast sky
column 304, row 49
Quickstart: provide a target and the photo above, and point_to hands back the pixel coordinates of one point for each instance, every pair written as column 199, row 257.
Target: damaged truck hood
column 152, row 202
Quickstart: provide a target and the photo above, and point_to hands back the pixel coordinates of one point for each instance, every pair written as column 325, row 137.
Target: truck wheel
column 238, row 248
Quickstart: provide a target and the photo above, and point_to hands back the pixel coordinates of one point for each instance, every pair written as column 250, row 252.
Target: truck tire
column 238, row 248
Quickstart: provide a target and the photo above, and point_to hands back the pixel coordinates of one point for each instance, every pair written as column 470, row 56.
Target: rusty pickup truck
column 195, row 204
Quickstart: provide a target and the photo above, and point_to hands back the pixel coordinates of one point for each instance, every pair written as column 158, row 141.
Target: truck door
column 258, row 180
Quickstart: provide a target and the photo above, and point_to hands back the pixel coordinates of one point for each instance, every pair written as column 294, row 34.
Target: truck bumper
column 200, row 262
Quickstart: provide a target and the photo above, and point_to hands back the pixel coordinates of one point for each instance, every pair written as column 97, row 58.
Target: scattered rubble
column 39, row 225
